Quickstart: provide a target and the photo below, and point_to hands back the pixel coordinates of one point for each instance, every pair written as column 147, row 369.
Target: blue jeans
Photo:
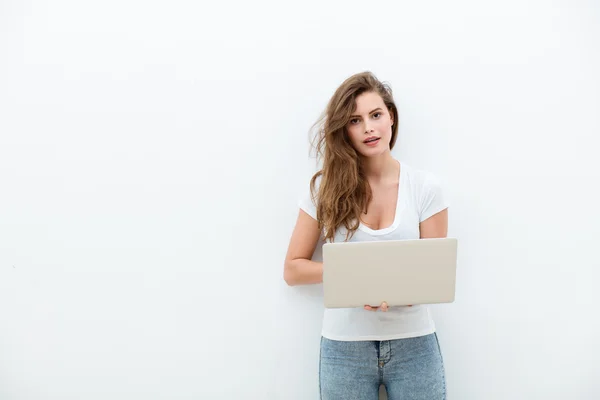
column 409, row 368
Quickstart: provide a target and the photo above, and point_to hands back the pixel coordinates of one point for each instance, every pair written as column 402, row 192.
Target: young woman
column 362, row 193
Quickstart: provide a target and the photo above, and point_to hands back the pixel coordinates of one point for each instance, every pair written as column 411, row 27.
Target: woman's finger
column 383, row 307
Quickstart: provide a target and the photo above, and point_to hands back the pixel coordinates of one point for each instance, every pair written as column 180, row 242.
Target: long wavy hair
column 344, row 192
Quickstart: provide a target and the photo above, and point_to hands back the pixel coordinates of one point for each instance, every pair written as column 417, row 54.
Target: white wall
column 151, row 158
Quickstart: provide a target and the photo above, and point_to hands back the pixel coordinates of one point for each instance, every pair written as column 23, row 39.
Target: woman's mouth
column 371, row 141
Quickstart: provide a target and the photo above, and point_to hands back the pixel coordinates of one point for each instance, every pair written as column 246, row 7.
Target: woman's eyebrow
column 378, row 108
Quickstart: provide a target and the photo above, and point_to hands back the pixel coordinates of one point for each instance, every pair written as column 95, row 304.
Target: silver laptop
column 399, row 272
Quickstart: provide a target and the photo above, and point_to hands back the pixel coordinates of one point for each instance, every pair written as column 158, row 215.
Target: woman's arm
column 299, row 269
column 435, row 226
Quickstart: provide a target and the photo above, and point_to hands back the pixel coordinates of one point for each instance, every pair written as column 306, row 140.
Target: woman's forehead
column 367, row 102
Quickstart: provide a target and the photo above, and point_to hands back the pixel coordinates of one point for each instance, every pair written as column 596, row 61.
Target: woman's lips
column 372, row 141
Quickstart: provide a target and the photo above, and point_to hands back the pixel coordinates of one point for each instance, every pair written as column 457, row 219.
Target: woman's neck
column 380, row 168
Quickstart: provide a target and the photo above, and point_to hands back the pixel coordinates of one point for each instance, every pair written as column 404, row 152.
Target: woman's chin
column 374, row 152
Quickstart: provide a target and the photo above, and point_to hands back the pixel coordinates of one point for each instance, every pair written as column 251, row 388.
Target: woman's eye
column 377, row 114
column 352, row 121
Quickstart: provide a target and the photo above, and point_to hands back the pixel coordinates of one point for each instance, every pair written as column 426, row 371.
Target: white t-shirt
column 419, row 197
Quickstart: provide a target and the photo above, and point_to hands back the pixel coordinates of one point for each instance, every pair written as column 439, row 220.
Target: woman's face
column 370, row 126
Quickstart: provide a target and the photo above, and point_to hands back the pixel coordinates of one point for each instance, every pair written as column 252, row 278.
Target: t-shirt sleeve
column 432, row 199
column 306, row 202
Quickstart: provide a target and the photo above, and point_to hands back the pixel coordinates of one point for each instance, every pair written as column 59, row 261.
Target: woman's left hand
column 382, row 307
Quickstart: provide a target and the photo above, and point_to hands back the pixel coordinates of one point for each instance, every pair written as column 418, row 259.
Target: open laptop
column 399, row 272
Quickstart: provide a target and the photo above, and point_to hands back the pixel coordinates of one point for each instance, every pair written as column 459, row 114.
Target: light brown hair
column 344, row 192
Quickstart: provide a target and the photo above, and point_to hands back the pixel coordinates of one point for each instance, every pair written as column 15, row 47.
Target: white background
column 152, row 155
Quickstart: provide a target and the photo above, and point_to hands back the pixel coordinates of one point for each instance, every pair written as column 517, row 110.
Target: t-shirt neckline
column 391, row 228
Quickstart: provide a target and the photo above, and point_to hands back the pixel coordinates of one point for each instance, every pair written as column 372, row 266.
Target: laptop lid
column 399, row 272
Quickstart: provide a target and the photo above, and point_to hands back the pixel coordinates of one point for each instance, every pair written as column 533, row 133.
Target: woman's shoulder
column 420, row 179
column 309, row 195
column 418, row 173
